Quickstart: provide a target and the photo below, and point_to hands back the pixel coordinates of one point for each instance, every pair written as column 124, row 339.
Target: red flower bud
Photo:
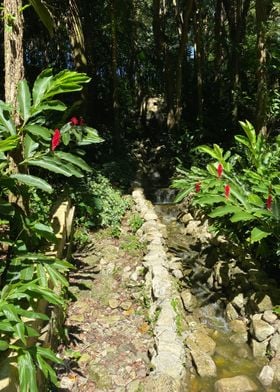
column 74, row 121
column 227, row 191
column 197, row 186
column 55, row 139
column 269, row 202
column 220, row 170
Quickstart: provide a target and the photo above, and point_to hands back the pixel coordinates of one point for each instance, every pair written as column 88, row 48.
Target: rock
column 177, row 273
column 238, row 326
column 201, row 341
column 259, row 348
column 204, row 364
column 189, row 300
column 261, row 301
column 133, row 386
column 239, row 338
column 150, row 216
column 126, row 305
column 238, row 301
column 274, row 343
column 275, row 365
column 113, row 303
column 234, row 384
column 160, row 383
column 269, row 316
column 186, row 218
column 261, row 330
column 266, row 376
column 231, row 313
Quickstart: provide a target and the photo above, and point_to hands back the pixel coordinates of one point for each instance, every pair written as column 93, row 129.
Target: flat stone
column 266, row 376
column 261, row 330
column 269, row 316
column 204, row 364
column 262, row 304
column 238, row 326
column 201, row 341
column 234, row 384
column 126, row 305
column 259, row 348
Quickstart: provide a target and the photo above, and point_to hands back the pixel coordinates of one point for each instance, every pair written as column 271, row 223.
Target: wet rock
column 266, row 376
column 261, row 330
column 259, row 348
column 201, row 341
column 204, row 364
column 269, row 316
column 231, row 313
column 274, row 343
column 234, row 384
column 189, row 300
column 238, row 326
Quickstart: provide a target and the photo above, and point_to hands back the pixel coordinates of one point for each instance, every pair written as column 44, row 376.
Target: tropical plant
column 30, row 151
column 240, row 191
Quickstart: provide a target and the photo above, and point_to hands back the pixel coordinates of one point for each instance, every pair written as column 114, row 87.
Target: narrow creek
column 232, row 356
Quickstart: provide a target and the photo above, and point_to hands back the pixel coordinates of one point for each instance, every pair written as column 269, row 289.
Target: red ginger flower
column 197, row 186
column 227, row 191
column 74, row 121
column 220, row 170
column 55, row 139
column 269, row 202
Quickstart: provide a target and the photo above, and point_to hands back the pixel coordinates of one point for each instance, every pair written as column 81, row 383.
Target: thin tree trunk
column 199, row 65
column 13, row 47
column 114, row 69
column 262, row 12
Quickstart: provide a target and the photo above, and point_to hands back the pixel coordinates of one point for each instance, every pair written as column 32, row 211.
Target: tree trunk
column 114, row 77
column 199, row 65
column 262, row 12
column 13, row 47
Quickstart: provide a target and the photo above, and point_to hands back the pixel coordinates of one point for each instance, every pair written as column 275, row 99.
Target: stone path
column 108, row 323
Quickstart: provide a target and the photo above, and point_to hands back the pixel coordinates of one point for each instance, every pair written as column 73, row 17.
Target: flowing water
column 231, row 359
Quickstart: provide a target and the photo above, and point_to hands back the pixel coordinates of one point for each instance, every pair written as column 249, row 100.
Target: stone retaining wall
column 169, row 357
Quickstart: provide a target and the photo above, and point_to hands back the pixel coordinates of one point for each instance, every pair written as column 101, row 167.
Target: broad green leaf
column 241, row 216
column 9, row 143
column 44, row 231
column 255, row 200
column 32, row 315
column 224, row 210
column 48, row 354
column 6, row 121
column 243, row 140
column 216, row 152
column 44, row 14
column 39, row 131
column 24, row 100
column 56, row 277
column 36, row 182
column 77, row 161
column 4, row 345
column 50, row 164
column 250, row 132
column 10, row 312
column 42, row 276
column 27, row 372
column 27, row 273
column 40, row 86
column 258, row 234
column 46, row 369
column 210, row 199
column 51, row 105
column 6, row 326
column 46, row 293
column 20, row 331
column 90, row 137
column 29, row 146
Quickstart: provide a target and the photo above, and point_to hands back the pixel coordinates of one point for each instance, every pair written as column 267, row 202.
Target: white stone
column 259, row 348
column 204, row 364
column 266, row 376
column 261, row 329
column 269, row 316
column 274, row 343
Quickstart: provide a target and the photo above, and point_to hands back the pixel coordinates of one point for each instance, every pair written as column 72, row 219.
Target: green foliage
column 135, row 222
column 99, row 204
column 26, row 274
column 244, row 201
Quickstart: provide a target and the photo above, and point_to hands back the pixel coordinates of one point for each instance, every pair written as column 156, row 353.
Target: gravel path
column 108, row 326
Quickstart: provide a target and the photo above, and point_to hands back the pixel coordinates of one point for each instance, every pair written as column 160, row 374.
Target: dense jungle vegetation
column 92, row 90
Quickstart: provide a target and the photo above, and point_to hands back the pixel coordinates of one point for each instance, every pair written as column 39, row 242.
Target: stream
column 232, row 357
